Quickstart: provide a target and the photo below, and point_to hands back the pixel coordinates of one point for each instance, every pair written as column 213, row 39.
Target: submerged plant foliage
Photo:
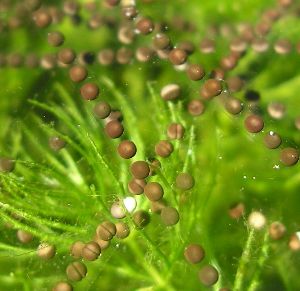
column 149, row 145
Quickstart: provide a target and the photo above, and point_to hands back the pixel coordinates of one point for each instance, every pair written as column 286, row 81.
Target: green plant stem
column 83, row 136
column 155, row 248
column 41, row 221
column 158, row 279
column 38, row 233
column 105, row 208
column 130, row 115
column 72, row 108
column 60, row 114
column 52, row 159
column 161, row 112
column 17, row 251
column 74, row 173
column 264, row 254
column 244, row 260
column 124, row 270
column 106, row 165
column 48, row 129
column 172, row 110
column 168, row 185
column 190, row 148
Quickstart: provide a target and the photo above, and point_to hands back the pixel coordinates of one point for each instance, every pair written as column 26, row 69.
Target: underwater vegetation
column 149, row 145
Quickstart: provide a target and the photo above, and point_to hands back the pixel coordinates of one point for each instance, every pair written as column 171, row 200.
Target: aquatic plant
column 149, row 145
